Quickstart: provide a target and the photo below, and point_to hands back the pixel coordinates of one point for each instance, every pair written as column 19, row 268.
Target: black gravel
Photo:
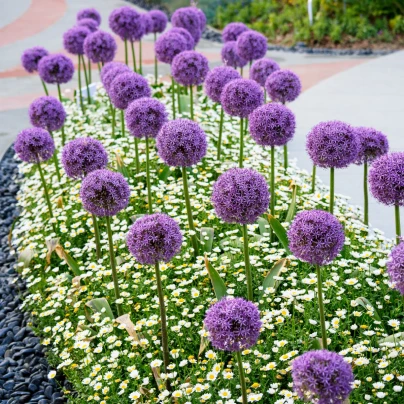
column 23, row 366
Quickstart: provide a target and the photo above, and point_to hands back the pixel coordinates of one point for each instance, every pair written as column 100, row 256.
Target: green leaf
column 292, row 207
column 232, row 242
column 280, row 232
column 164, row 173
column 394, row 339
column 207, row 232
column 217, row 282
column 365, row 302
column 315, row 344
column 74, row 266
column 101, row 305
column 121, row 167
column 262, row 223
column 184, row 103
column 270, row 281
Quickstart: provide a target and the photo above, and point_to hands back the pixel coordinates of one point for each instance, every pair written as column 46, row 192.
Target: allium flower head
column 386, row 179
column 372, row 144
column 322, row 377
column 332, row 144
column 217, row 78
column 261, row 69
column 83, row 155
column 31, row 57
column 147, row 23
column 395, row 267
column 56, row 69
column 128, row 87
column 316, row 237
column 100, row 46
column 91, row 13
column 159, row 20
column 252, row 45
column 241, row 96
column 89, row 23
column 283, row 86
column 111, row 74
column 233, row 324
column 240, row 195
column 230, row 55
column 34, row 145
column 186, row 35
column 272, row 125
column 104, row 193
column 201, row 17
column 188, row 18
column 233, row 30
column 145, row 116
column 154, row 238
column 181, row 143
column 189, row 68
column 47, row 113
column 127, row 23
column 169, row 45
column 109, row 66
column 73, row 39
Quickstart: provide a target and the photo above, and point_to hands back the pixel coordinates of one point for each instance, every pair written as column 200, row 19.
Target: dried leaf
column 204, row 344
column 74, row 266
column 129, row 326
column 26, row 256
column 51, row 245
column 59, row 202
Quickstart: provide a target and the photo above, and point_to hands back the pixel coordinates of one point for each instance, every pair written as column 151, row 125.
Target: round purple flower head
column 100, row 47
column 386, row 179
column 233, row 324
column 181, row 143
column 241, row 96
column 109, row 66
column 217, row 78
column 91, row 13
column 189, row 68
column 82, row 156
column 332, row 144
column 233, row 30
column 127, row 23
column 230, row 55
column 34, row 145
column 128, row 87
column 395, row 267
column 145, row 117
column 322, row 377
column 169, row 45
column 31, row 57
column 104, row 193
column 89, row 23
column 316, row 237
column 201, row 17
column 252, row 45
column 272, row 125
column 240, row 195
column 188, row 18
column 73, row 40
column 283, row 86
column 261, row 69
column 372, row 144
column 56, row 69
column 154, row 238
column 159, row 20
column 112, row 74
column 47, row 113
column 186, row 35
column 147, row 23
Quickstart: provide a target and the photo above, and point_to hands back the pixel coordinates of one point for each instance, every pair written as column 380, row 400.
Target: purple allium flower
column 240, row 195
column 100, row 46
column 322, row 377
column 261, row 69
column 112, row 74
column 230, row 55
column 89, row 13
column 127, row 23
column 186, row 35
column 73, row 39
column 241, row 96
column 386, row 179
column 159, row 20
column 372, row 144
column 169, row 45
column 34, row 145
column 272, row 125
column 202, row 18
column 145, row 117
column 283, row 86
column 217, row 78
column 56, row 69
column 316, row 237
column 31, row 57
column 188, row 18
column 252, row 45
column 104, row 193
column 147, row 23
column 332, row 144
column 127, row 87
column 395, row 267
column 181, row 143
column 154, row 238
column 47, row 113
column 233, row 324
column 109, row 66
column 89, row 23
column 82, row 156
column 233, row 30
column 189, row 68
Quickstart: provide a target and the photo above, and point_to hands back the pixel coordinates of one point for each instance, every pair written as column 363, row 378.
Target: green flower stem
column 55, row 161
column 194, row 241
column 99, row 68
column 219, row 142
column 123, row 122
column 242, row 377
column 97, row 237
column 113, row 265
column 265, row 96
column 155, row 63
column 398, row 225
column 178, row 87
column 149, row 197
column 285, row 156
column 113, row 114
column 313, row 179
column 173, row 95
column 63, row 127
column 89, row 70
column 126, row 51
column 321, row 307
column 133, row 56
column 332, row 190
column 87, row 81
column 46, row 193
column 140, row 57
column 137, row 155
column 79, row 77
column 44, row 87
column 365, row 193
column 241, row 71
column 247, row 264
column 191, row 96
column 273, row 180
column 240, row 157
